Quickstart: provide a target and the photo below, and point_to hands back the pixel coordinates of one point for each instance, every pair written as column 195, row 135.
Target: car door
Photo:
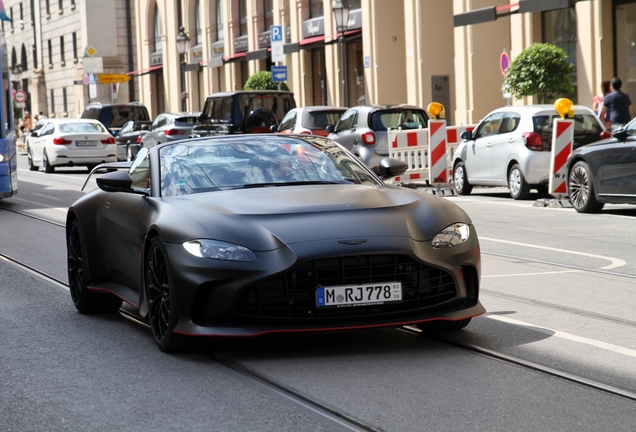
column 504, row 144
column 119, row 216
column 39, row 144
column 344, row 132
column 617, row 175
column 478, row 152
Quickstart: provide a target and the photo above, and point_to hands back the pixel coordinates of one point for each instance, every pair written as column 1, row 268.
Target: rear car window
column 185, row 121
column 81, row 128
column 321, row 119
column 404, row 118
column 117, row 116
column 587, row 128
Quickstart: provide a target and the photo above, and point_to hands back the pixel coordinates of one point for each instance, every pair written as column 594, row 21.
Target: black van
column 245, row 111
column 114, row 116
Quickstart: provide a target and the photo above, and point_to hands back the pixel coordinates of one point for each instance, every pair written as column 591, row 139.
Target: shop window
column 559, row 28
column 316, row 9
column 243, row 17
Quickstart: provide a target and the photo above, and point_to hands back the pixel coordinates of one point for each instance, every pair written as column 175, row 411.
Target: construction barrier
column 562, row 138
column 412, row 147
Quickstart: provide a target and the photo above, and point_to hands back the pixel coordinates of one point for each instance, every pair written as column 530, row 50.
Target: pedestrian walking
column 597, row 102
column 26, row 124
column 617, row 105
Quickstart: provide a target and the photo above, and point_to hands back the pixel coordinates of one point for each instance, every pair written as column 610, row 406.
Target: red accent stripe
column 411, row 139
column 561, row 189
column 562, row 127
column 414, row 176
column 435, row 126
column 562, row 157
column 394, row 144
column 361, row 327
column 438, row 152
column 451, row 135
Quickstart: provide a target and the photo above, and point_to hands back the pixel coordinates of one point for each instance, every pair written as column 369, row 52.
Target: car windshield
column 81, row 128
column 404, row 118
column 203, row 166
column 587, row 128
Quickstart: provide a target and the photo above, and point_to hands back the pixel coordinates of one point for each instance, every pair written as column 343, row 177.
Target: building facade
column 398, row 51
column 48, row 40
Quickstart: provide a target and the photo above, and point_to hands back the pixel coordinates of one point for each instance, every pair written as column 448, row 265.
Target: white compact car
column 511, row 147
column 70, row 142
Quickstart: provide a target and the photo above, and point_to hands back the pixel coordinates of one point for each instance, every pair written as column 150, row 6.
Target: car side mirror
column 467, row 135
column 330, row 128
column 116, row 181
column 35, row 134
column 620, row 134
column 273, row 128
column 390, row 167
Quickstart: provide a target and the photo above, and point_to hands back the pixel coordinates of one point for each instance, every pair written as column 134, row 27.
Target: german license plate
column 358, row 295
column 86, row 143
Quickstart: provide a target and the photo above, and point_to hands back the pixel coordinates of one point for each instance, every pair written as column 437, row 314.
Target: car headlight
column 451, row 236
column 219, row 250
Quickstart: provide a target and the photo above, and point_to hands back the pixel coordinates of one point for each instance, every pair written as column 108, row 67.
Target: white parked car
column 70, row 142
column 511, row 147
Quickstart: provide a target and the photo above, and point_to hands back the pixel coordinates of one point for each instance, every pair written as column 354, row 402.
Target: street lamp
column 183, row 45
column 341, row 15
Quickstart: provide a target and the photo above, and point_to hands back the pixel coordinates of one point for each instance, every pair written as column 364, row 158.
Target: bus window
column 8, row 155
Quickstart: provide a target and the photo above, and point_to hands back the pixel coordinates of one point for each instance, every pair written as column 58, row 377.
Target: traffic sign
column 504, row 62
column 93, row 65
column 276, row 37
column 90, row 51
column 20, row 96
column 112, row 78
column 279, row 73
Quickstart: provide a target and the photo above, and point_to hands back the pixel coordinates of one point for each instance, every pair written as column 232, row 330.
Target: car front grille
column 293, row 294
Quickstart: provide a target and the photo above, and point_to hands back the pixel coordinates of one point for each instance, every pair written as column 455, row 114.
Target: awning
column 491, row 13
column 234, row 57
column 260, row 54
column 312, row 40
column 144, row 71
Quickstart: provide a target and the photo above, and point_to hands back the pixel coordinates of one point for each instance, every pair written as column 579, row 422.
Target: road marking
column 615, row 262
column 556, row 333
column 41, row 209
column 531, row 274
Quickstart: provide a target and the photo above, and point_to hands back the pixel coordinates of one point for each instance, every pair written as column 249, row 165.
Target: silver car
column 169, row 127
column 511, row 147
column 363, row 129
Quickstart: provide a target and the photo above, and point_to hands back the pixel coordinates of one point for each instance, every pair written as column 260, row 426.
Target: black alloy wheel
column 581, row 189
column 519, row 187
column 162, row 304
column 85, row 300
column 462, row 187
column 48, row 168
column 442, row 326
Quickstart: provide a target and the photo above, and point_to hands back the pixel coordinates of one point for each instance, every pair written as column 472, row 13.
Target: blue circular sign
column 504, row 63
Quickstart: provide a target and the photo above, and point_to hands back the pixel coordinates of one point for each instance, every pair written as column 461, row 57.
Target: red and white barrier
column 412, row 147
column 562, row 138
column 438, row 165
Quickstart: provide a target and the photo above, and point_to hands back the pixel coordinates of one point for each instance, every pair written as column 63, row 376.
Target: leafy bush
column 543, row 70
column 263, row 81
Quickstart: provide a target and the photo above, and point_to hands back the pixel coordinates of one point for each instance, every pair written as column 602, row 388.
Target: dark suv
column 114, row 116
column 245, row 111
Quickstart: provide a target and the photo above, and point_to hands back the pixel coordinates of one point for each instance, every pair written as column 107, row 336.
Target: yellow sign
column 90, row 51
column 112, row 78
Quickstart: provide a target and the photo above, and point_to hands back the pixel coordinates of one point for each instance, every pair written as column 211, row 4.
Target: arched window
column 24, row 59
column 198, row 39
column 158, row 32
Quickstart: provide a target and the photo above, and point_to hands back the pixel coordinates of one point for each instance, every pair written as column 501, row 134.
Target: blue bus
column 8, row 154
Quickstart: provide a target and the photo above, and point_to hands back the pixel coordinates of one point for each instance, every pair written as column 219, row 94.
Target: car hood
column 267, row 218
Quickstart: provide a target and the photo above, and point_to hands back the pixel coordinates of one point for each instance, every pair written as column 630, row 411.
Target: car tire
column 32, row 167
column 85, row 300
column 48, row 168
column 519, row 187
column 581, row 189
column 162, row 304
column 443, row 326
column 460, row 179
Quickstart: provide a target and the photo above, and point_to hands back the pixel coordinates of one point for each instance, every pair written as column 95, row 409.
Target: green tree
column 542, row 70
column 263, row 81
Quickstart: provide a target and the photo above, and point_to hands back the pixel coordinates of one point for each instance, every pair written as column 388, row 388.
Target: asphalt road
column 558, row 287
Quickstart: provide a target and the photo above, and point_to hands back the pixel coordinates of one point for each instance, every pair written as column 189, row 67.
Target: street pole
column 342, row 70
column 183, row 95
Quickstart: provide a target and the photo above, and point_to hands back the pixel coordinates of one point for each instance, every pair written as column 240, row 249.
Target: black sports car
column 604, row 172
column 246, row 235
